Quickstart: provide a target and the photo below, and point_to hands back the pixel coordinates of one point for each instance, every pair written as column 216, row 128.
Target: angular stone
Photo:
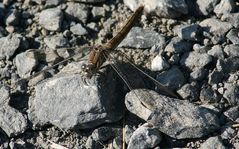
column 189, row 92
column 206, row 7
column 5, row 95
column 212, row 143
column 98, row 12
column 159, row 64
column 142, row 38
column 56, row 41
column 176, row 45
column 67, row 102
column 25, row 63
column 231, row 94
column 208, row 95
column 188, row 32
column 216, row 51
column 78, row 29
column 232, row 113
column 144, row 137
column 228, row 65
column 177, row 118
column 51, row 19
column 224, row 7
column 216, row 26
column 198, row 74
column 12, row 122
column 77, row 12
column 172, row 78
column 194, row 60
column 232, row 35
column 105, row 133
column 8, row 46
column 232, row 18
column 215, row 77
column 53, row 3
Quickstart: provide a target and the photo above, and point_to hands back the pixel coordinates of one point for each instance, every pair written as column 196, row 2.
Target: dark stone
column 142, row 38
column 172, row 78
column 67, row 102
column 176, row 118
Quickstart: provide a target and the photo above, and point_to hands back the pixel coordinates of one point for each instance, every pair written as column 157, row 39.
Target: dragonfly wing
column 81, row 52
column 160, row 85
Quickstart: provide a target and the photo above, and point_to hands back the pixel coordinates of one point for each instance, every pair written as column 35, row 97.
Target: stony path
column 190, row 47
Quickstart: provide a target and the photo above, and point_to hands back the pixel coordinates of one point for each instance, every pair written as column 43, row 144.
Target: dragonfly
column 101, row 53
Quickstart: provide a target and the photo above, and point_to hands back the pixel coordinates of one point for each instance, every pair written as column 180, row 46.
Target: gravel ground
column 191, row 47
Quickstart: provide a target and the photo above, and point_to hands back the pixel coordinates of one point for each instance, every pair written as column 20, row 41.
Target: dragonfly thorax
column 87, row 70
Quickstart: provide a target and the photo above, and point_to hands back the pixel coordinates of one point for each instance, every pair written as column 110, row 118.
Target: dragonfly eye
column 83, row 67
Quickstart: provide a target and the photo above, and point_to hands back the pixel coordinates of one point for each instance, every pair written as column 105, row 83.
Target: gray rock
column 212, row 143
column 232, row 35
column 231, row 93
column 215, row 77
column 194, row 60
column 25, row 63
column 216, row 51
column 177, row 118
column 64, row 100
column 142, row 38
column 176, row 45
column 56, row 41
column 144, row 137
column 159, row 63
column 189, row 92
column 198, row 74
column 232, row 18
column 105, row 133
column 232, row 50
column 208, row 95
column 188, row 32
column 51, row 19
column 206, row 7
column 91, row 143
column 216, row 26
column 172, row 78
column 232, row 113
column 228, row 65
column 228, row 133
column 12, row 122
column 200, row 48
column 77, row 12
column 128, row 133
column 98, row 12
column 9, row 45
column 53, row 3
column 224, row 7
column 5, row 95
column 78, row 29
column 12, row 17
column 163, row 8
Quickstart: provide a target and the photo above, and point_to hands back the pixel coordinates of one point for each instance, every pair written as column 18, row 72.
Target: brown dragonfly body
column 98, row 54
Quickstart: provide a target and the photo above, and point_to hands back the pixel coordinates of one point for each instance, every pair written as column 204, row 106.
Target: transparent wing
column 81, row 52
column 160, row 86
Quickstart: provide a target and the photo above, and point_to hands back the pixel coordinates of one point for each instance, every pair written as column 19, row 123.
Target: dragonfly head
column 87, row 70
